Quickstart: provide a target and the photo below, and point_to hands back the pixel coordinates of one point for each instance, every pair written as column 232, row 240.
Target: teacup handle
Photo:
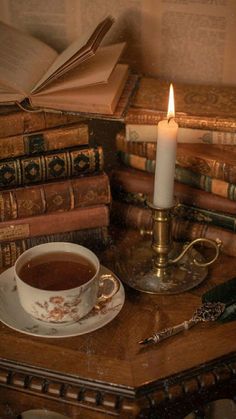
column 116, row 286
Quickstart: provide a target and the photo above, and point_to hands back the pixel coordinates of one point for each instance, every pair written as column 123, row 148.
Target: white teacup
column 62, row 305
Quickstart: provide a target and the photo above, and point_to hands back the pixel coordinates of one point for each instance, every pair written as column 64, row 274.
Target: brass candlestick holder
column 161, row 266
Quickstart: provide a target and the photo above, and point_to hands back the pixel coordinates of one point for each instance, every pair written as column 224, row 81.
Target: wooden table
column 106, row 373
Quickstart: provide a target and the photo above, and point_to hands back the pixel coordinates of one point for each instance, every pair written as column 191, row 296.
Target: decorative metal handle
column 215, row 243
column 105, row 296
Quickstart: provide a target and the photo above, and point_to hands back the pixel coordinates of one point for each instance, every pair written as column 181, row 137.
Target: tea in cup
column 60, row 282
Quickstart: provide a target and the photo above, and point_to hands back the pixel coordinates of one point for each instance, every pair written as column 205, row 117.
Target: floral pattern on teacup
column 58, row 309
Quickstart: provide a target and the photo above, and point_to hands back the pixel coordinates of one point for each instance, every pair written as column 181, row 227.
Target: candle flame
column 171, row 104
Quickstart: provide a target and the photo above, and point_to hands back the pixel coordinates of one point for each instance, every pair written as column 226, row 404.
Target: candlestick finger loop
column 214, row 243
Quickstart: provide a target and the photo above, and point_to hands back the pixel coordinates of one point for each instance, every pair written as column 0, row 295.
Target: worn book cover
column 132, row 216
column 58, row 222
column 52, row 197
column 15, row 121
column 183, row 175
column 51, row 166
column 216, row 161
column 127, row 182
column 196, row 106
column 42, row 141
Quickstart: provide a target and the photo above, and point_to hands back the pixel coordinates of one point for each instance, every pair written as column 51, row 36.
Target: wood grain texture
column 106, row 371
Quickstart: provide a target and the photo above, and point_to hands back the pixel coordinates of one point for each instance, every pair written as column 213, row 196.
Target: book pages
column 23, row 59
column 95, row 70
column 182, row 40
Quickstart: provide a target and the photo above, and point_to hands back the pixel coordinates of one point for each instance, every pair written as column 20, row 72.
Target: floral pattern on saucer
column 13, row 315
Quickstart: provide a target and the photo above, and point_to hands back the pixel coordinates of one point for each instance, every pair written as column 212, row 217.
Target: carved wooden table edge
column 170, row 398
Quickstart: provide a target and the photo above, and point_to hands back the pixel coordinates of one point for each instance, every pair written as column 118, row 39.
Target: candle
column 165, row 157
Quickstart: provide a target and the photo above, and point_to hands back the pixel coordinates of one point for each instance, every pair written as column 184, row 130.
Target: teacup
column 61, row 282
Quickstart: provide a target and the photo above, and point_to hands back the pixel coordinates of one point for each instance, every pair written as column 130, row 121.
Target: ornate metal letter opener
column 206, row 312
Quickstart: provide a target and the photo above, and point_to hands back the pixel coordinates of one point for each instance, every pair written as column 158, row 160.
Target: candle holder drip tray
column 158, row 265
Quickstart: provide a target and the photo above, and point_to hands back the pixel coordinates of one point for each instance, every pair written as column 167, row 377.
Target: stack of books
column 52, row 183
column 205, row 175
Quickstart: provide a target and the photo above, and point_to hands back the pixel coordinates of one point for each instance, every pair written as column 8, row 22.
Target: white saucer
column 14, row 316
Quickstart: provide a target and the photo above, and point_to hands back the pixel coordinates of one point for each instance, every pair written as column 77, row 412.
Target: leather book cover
column 216, row 161
column 135, row 217
column 43, row 141
column 184, row 175
column 140, row 184
column 58, row 222
column 197, row 106
column 50, row 166
column 51, row 197
column 15, row 121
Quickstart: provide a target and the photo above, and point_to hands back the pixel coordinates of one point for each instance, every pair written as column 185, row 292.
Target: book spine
column 184, row 175
column 131, row 187
column 201, row 215
column 93, row 238
column 182, row 230
column 207, row 165
column 52, row 197
column 142, row 149
column 41, row 142
column 59, row 222
column 183, row 211
column 148, row 133
column 151, row 117
column 51, row 166
column 18, row 122
column 131, row 216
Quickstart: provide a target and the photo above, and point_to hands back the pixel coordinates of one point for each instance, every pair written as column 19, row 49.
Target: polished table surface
column 106, row 373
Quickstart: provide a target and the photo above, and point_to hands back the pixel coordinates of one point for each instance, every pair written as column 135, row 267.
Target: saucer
column 13, row 315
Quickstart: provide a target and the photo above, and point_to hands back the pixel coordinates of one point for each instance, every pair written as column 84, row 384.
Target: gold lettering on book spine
column 72, row 197
column 68, row 164
column 14, row 232
column 43, row 200
column 13, row 204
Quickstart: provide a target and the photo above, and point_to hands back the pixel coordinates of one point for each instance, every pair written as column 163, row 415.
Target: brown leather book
column 126, row 180
column 141, row 218
column 42, row 141
column 216, row 161
column 58, row 222
column 15, row 121
column 210, row 160
column 54, row 165
column 197, row 106
column 51, row 197
column 93, row 238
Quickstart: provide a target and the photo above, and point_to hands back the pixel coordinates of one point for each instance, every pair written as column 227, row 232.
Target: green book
column 183, row 175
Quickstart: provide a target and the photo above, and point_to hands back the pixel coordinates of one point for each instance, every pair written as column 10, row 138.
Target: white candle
column 165, row 157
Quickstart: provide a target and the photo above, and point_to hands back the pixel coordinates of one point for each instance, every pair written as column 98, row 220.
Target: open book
column 85, row 77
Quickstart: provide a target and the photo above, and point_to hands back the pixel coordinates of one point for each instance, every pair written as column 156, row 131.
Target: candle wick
column 169, row 119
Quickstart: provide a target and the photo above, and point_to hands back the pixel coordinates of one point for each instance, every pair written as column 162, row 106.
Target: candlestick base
column 136, row 267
